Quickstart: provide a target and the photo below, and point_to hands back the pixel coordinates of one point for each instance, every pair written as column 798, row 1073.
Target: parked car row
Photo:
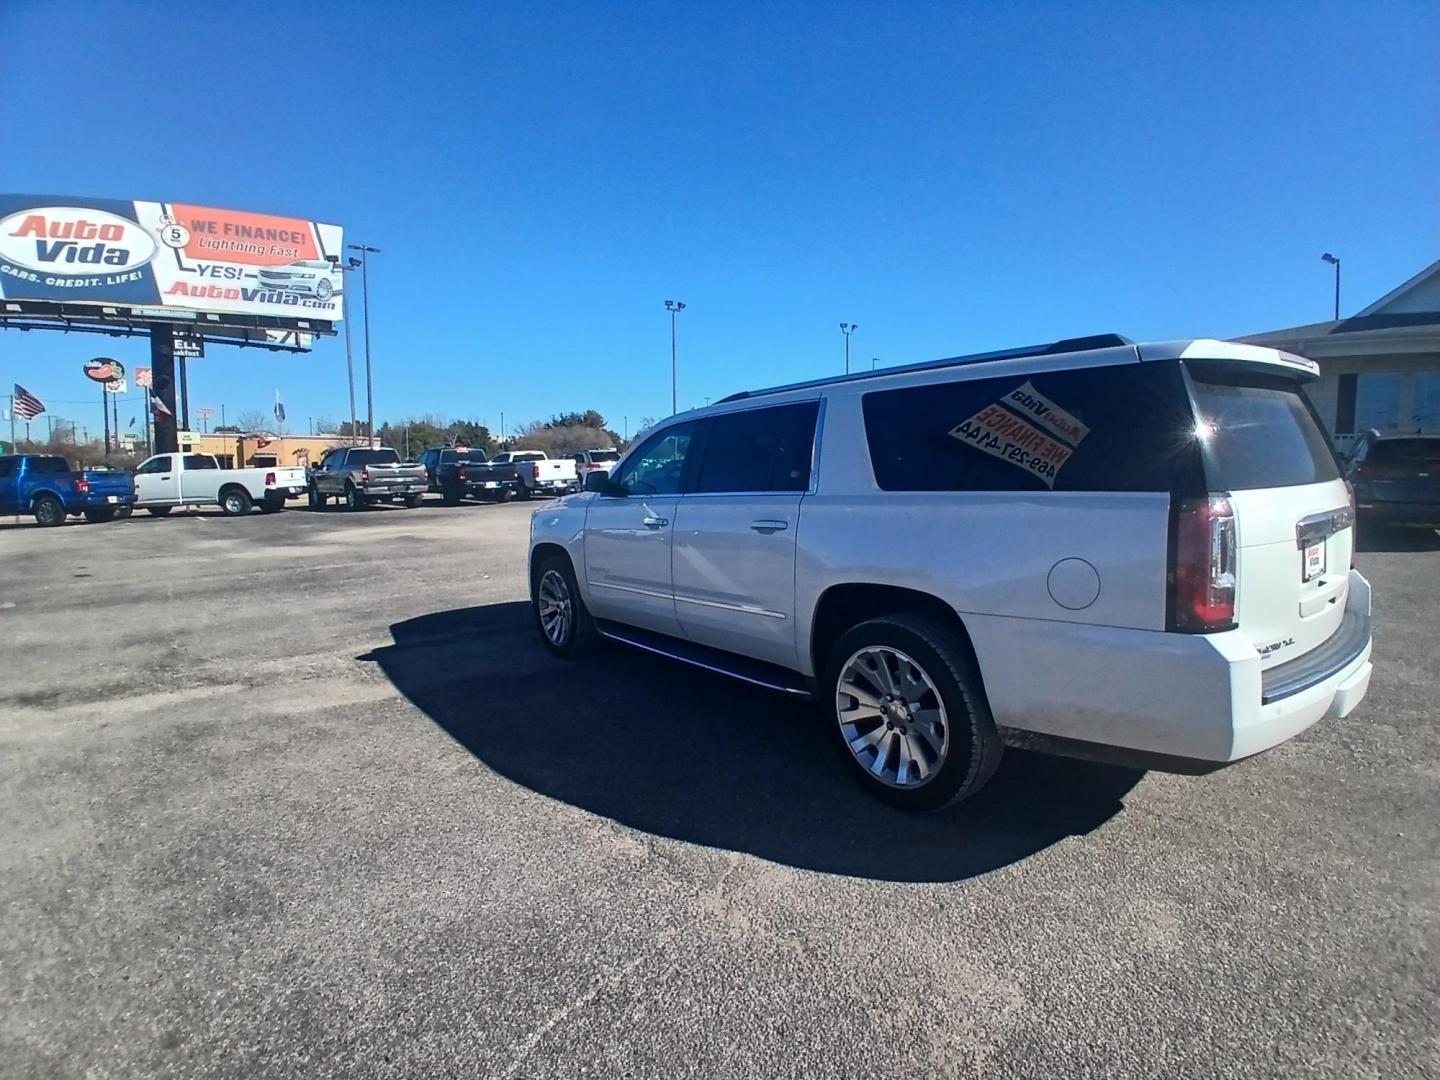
column 355, row 476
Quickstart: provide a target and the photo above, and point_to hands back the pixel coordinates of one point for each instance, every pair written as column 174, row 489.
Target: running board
column 754, row 672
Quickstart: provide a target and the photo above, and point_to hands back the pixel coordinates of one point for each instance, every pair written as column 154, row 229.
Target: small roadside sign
column 189, row 347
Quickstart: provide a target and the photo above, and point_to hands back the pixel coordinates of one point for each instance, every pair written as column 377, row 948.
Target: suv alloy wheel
column 565, row 624
column 908, row 712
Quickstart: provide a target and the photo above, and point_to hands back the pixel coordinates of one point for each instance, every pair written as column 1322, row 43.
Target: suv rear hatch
column 1264, row 448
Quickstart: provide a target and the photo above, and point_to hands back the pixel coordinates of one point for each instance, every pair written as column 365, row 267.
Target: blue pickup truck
column 45, row 485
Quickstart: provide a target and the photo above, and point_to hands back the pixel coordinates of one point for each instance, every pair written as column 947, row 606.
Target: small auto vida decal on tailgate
column 1003, row 430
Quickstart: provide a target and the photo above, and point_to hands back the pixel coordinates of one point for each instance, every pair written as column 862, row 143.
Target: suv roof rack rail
column 1078, row 344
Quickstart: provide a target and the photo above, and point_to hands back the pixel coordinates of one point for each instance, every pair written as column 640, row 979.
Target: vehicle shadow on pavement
column 682, row 753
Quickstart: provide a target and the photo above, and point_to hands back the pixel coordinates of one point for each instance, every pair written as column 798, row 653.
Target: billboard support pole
column 350, row 371
column 184, row 412
column 162, row 375
column 115, row 418
column 105, row 413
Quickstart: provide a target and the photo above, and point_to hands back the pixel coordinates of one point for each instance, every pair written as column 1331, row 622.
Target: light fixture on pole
column 847, row 329
column 873, row 361
column 674, row 307
column 367, row 251
column 1327, row 257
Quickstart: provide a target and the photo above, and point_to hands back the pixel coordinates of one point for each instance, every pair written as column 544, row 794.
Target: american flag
column 26, row 405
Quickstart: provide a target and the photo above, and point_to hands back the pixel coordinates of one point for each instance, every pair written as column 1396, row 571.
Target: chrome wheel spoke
column 865, row 697
column 917, row 756
column 882, row 752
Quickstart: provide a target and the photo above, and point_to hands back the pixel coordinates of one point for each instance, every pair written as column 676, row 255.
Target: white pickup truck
column 540, row 474
column 166, row 481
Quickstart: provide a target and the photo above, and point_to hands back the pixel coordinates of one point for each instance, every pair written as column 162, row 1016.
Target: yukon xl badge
column 1276, row 646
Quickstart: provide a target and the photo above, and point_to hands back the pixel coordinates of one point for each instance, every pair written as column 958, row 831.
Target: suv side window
column 759, row 450
column 658, row 467
column 156, row 465
column 1126, row 427
column 199, row 461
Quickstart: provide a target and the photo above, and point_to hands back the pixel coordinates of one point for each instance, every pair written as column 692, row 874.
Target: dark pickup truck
column 46, row 486
column 458, row 474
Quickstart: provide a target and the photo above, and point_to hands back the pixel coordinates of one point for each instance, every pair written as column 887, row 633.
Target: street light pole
column 873, row 361
column 1327, row 257
column 674, row 307
column 350, row 364
column 365, row 291
column 847, row 329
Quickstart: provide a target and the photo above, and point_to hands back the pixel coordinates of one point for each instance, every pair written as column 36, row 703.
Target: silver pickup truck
column 361, row 475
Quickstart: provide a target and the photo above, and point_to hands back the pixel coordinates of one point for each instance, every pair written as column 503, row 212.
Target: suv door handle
column 769, row 525
column 656, row 522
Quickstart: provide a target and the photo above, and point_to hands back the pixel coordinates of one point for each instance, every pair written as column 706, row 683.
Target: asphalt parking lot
column 302, row 796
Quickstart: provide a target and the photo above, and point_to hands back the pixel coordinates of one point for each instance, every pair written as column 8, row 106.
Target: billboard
column 169, row 256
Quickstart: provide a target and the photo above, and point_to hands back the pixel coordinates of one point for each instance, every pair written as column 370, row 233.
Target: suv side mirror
column 600, row 482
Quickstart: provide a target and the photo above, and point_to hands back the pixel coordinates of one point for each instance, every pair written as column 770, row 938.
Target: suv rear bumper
column 1184, row 703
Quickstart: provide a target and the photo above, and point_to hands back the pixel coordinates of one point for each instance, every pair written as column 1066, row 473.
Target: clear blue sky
column 541, row 178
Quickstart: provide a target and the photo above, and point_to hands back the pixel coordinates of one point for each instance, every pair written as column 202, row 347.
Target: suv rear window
column 1126, row 427
column 1259, row 431
column 1404, row 452
column 48, row 465
column 476, row 457
column 372, row 457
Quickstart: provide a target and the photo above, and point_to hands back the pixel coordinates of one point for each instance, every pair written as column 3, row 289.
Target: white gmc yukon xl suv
column 1136, row 553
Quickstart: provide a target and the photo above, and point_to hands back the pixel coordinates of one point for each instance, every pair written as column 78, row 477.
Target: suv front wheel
column 909, row 713
column 565, row 624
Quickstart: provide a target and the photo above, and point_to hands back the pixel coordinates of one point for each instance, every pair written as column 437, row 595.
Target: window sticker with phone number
column 1010, row 436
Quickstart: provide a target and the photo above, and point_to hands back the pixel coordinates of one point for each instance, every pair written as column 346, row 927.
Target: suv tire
column 957, row 746
column 564, row 622
column 353, row 499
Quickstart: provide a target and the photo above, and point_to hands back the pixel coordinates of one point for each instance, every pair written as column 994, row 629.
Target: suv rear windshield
column 474, row 456
column 1258, row 430
column 1404, row 452
column 372, row 457
column 48, row 465
column 1126, row 427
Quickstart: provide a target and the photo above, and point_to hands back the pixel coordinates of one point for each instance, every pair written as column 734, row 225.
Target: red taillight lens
column 1203, row 575
column 269, row 479
column 82, row 485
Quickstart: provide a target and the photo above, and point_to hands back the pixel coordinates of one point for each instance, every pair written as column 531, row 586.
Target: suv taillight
column 1203, row 573
column 269, row 479
column 82, row 485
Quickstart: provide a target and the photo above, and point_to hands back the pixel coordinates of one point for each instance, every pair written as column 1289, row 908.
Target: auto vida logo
column 73, row 240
